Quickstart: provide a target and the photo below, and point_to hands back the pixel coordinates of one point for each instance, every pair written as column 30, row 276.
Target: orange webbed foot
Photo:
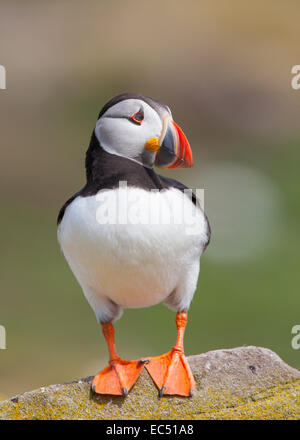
column 118, row 377
column 172, row 373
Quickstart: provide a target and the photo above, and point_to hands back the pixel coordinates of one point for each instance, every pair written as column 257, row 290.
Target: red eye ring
column 138, row 117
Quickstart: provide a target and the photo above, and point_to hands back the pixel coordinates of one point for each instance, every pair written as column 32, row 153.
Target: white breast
column 131, row 245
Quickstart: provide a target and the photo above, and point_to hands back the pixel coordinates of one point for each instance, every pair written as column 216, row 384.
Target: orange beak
column 175, row 150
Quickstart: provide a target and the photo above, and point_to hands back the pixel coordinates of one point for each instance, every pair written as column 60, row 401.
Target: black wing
column 64, row 207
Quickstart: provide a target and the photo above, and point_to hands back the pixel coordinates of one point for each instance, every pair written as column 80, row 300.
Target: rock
column 239, row 383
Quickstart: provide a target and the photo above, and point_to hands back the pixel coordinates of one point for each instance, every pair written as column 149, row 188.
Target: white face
column 118, row 134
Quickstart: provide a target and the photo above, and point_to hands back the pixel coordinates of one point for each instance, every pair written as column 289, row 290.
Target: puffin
column 133, row 238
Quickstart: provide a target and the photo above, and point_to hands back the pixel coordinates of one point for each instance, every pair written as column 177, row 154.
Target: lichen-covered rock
column 240, row 383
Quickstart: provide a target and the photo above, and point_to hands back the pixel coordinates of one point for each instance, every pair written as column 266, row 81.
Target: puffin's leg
column 119, row 376
column 171, row 371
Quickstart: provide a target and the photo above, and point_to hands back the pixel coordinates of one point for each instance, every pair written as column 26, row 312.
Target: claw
column 161, row 391
column 124, row 391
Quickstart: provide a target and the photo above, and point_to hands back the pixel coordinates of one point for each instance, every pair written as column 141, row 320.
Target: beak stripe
column 184, row 155
column 175, row 151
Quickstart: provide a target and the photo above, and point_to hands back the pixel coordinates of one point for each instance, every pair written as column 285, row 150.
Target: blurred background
column 224, row 68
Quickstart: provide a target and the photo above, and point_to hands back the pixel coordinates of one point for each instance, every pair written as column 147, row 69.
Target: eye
column 138, row 117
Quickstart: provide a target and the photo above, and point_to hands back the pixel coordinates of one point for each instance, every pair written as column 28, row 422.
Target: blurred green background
column 224, row 70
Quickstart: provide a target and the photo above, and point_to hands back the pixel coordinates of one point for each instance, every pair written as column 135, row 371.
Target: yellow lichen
column 75, row 401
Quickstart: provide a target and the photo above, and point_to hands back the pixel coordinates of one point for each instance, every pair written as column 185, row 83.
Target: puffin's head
column 142, row 129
